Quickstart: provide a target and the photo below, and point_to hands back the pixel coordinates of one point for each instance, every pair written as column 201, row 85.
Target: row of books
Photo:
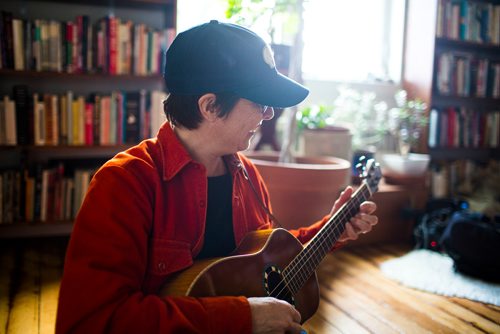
column 110, row 45
column 69, row 119
column 463, row 74
column 467, row 20
column 455, row 127
column 44, row 194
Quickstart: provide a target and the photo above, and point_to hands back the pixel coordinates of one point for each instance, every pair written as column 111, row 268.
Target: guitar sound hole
column 275, row 285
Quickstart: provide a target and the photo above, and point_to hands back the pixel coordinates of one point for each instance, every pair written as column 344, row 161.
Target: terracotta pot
column 302, row 192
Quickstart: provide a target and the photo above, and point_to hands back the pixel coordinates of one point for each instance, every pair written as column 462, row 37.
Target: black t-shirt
column 219, row 235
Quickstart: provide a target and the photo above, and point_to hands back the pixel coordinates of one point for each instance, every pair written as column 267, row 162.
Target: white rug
column 433, row 272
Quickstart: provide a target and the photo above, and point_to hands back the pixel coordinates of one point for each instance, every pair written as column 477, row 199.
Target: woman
column 184, row 195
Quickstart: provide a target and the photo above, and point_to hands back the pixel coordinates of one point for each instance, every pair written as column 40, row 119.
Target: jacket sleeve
column 107, row 261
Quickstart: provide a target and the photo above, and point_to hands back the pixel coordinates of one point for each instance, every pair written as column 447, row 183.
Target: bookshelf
column 100, row 90
column 452, row 61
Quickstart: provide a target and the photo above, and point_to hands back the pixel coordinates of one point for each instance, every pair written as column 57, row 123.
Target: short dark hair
column 182, row 110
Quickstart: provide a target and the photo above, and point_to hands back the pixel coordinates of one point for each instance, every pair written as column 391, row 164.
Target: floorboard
column 355, row 296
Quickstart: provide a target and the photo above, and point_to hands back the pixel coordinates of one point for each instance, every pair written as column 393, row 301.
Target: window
column 354, row 40
column 344, row 40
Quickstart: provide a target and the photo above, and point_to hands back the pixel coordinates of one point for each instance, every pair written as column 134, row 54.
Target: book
column 105, row 114
column 132, row 115
column 29, row 194
column 433, row 126
column 69, row 117
column 18, row 44
column 21, row 96
column 96, row 123
column 28, row 46
column 89, row 119
column 112, row 29
column 63, row 120
column 2, row 124
column 80, row 120
column 7, row 40
column 10, row 122
column 44, row 193
column 36, row 46
column 68, row 47
column 39, row 121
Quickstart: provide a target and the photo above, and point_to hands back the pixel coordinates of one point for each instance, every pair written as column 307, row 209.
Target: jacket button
column 161, row 266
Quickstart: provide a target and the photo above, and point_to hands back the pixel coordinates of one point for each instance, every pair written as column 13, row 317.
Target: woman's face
column 236, row 131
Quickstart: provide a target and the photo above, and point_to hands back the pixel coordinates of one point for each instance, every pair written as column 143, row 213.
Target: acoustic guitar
column 273, row 262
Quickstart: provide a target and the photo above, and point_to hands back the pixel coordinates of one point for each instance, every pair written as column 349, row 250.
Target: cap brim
column 276, row 91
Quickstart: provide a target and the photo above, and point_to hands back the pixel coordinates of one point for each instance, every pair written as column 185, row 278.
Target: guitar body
column 253, row 271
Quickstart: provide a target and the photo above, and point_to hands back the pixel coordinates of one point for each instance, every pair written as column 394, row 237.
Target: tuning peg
column 362, row 160
column 360, row 169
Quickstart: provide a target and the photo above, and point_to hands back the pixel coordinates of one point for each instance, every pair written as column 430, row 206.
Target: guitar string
column 343, row 215
column 325, row 235
column 304, row 258
column 333, row 230
column 283, row 281
column 309, row 258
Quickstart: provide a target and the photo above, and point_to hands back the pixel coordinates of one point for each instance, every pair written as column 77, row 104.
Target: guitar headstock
column 369, row 171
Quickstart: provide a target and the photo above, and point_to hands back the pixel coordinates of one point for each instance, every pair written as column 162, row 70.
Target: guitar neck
column 305, row 263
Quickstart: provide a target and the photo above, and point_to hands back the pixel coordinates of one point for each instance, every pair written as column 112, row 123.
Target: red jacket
column 142, row 219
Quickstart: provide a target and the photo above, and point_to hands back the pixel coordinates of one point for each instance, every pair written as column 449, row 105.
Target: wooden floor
column 356, row 298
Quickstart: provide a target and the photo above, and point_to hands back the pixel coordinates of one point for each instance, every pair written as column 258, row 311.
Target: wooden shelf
column 478, row 154
column 31, row 230
column 73, row 151
column 465, row 101
column 79, row 76
column 446, row 44
column 64, row 152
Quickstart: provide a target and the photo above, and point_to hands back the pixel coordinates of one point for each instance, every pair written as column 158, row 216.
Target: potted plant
column 351, row 127
column 319, row 134
column 406, row 122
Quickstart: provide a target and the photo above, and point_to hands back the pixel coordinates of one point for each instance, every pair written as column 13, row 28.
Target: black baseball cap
column 220, row 57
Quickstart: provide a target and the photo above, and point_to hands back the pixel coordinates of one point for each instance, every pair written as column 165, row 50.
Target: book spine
column 97, row 116
column 18, row 38
column 89, row 117
column 21, row 98
column 8, row 40
column 112, row 42
column 37, row 46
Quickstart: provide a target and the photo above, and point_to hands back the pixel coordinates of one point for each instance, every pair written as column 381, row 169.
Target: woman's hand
column 271, row 315
column 362, row 223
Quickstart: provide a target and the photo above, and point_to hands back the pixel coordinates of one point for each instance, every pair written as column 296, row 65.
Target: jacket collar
column 174, row 156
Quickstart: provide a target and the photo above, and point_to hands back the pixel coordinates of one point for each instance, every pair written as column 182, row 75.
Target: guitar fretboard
column 305, row 263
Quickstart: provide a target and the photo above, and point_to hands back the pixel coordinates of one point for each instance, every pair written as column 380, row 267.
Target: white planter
column 411, row 165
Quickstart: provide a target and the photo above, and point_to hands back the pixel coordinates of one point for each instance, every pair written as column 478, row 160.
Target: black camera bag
column 472, row 240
